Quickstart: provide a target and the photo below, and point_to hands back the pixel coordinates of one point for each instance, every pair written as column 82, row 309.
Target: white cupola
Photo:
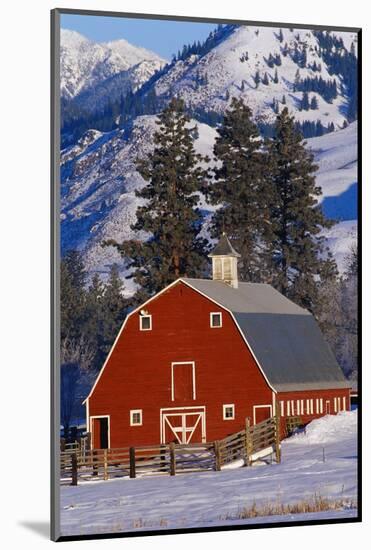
column 224, row 259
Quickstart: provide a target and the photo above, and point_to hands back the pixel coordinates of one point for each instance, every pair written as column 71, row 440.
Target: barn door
column 183, row 427
column 100, row 437
column 183, row 382
column 262, row 412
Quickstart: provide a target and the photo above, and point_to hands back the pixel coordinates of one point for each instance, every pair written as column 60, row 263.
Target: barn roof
column 284, row 337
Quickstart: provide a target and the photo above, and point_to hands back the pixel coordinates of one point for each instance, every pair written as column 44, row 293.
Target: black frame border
column 55, row 264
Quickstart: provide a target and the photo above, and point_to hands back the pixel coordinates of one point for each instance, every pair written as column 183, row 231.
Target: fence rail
column 77, row 462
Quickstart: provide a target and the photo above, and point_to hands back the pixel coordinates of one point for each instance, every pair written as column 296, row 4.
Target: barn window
column 321, row 405
column 317, row 406
column 145, row 322
column 136, row 417
column 308, row 406
column 302, row 406
column 288, row 408
column 344, row 403
column 282, row 408
column 215, row 319
column 228, row 412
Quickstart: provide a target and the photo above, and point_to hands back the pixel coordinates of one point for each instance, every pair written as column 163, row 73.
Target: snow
column 340, row 239
column 85, row 64
column 217, row 498
column 99, row 176
column 225, row 73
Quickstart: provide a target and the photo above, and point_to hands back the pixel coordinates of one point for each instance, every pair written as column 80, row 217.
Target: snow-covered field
column 321, row 462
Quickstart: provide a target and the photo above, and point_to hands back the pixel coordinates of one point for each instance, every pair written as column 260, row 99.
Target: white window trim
column 211, row 319
column 344, row 403
column 91, row 418
column 321, row 405
column 311, row 407
column 282, row 408
column 308, row 406
column 140, row 322
column 230, row 405
column 288, row 413
column 136, row 411
column 268, row 405
column 302, row 406
column 335, row 404
column 173, row 364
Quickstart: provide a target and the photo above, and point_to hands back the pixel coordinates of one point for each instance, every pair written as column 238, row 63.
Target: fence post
column 248, row 442
column 95, row 465
column 105, row 465
column 132, row 461
column 172, row 459
column 278, row 434
column 218, row 462
column 74, row 468
column 88, row 441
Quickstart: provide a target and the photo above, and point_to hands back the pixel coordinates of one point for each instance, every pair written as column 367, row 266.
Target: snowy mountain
column 264, row 66
column 86, row 64
column 99, row 180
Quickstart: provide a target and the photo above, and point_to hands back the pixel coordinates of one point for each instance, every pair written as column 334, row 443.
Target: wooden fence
column 80, row 463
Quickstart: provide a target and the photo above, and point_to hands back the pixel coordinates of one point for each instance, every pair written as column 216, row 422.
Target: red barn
column 200, row 356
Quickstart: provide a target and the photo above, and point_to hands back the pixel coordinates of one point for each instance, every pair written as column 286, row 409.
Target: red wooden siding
column 138, row 372
column 309, row 405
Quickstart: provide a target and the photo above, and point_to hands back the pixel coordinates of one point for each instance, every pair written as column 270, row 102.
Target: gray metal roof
column 224, row 248
column 284, row 337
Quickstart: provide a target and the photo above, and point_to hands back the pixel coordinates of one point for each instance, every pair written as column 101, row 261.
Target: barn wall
column 307, row 404
column 138, row 372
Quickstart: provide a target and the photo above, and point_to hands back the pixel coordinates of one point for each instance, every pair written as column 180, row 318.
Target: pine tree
column 170, row 216
column 297, row 81
column 314, row 103
column 305, row 102
column 239, row 188
column 257, row 79
column 299, row 261
column 114, row 309
column 73, row 280
column 275, row 79
column 265, row 80
column 280, row 35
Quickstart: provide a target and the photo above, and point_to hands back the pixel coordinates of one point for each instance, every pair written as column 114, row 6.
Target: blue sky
column 162, row 37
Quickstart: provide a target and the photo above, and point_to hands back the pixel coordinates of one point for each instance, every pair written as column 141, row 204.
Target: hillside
column 86, row 64
column 99, row 180
column 230, row 69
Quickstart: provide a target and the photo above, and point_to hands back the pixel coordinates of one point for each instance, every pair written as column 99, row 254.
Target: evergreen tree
column 305, row 102
column 114, row 309
column 283, row 100
column 299, row 261
column 73, row 280
column 275, row 79
column 314, row 103
column 257, row 79
column 265, row 80
column 239, row 188
column 280, row 35
column 170, row 216
column 297, row 81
